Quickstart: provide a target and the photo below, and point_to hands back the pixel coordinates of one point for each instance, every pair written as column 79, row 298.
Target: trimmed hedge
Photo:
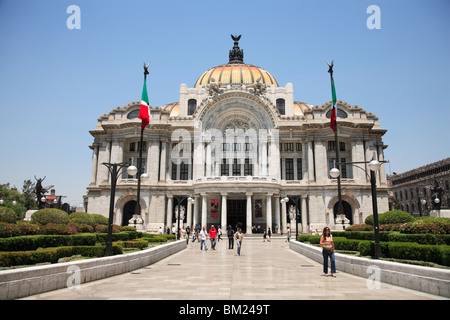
column 16, row 258
column 438, row 253
column 26, row 243
column 138, row 243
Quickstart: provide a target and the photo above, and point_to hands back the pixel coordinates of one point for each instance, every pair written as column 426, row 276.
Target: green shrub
column 7, row 215
column 9, row 230
column 45, row 216
column 360, row 227
column 391, row 217
column 414, row 251
column 25, row 243
column 428, row 225
column 138, row 243
column 28, row 228
column 53, row 228
column 99, row 219
column 52, row 255
column 426, row 238
column 100, row 228
column 81, row 218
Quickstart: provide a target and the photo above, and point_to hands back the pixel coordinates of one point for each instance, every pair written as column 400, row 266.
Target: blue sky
column 55, row 82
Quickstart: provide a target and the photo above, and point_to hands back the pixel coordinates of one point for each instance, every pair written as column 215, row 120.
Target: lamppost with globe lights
column 374, row 165
column 115, row 170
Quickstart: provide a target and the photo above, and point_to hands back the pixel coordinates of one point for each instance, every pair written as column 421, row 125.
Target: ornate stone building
column 415, row 191
column 237, row 143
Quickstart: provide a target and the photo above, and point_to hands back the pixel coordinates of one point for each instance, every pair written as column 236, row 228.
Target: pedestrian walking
column 213, row 237
column 219, row 233
column 188, row 234
column 269, row 234
column 326, row 241
column 288, row 234
column 203, row 237
column 230, row 234
column 238, row 236
column 264, row 235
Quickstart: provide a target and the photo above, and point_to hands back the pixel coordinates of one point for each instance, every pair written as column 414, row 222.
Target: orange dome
column 236, row 73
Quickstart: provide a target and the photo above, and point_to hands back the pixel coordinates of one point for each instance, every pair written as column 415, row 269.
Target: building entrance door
column 128, row 212
column 236, row 214
column 347, row 210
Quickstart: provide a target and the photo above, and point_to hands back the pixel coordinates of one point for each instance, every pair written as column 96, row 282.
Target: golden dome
column 236, row 73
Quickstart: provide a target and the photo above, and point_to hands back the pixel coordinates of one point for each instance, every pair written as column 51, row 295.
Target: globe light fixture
column 132, row 170
column 374, row 165
column 334, row 173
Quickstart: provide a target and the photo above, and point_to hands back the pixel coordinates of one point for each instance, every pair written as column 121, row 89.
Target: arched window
column 133, row 114
column 192, row 104
column 340, row 114
column 281, row 106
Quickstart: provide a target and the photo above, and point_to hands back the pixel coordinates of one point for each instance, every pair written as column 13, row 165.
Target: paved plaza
column 264, row 271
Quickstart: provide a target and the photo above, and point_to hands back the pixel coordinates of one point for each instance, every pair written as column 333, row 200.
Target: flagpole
column 336, row 143
column 137, row 209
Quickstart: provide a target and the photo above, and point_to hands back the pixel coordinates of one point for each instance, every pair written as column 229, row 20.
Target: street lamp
column 374, row 165
column 115, row 170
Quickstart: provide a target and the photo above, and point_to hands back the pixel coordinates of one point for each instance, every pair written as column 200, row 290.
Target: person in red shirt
column 212, row 236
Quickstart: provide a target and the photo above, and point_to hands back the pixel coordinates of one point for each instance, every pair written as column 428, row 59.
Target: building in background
column 236, row 143
column 422, row 190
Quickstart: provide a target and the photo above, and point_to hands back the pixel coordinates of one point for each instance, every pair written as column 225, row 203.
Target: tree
column 28, row 194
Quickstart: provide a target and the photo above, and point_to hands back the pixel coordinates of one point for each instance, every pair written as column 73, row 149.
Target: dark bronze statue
column 40, row 192
column 236, row 54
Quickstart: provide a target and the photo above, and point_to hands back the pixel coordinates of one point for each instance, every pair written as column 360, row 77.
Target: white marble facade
column 237, row 148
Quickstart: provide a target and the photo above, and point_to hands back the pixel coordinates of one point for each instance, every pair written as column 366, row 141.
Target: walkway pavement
column 264, row 271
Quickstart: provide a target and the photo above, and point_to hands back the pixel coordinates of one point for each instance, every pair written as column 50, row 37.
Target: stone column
column 153, row 161
column 163, row 161
column 104, row 155
column 321, row 163
column 283, row 217
column 169, row 211
column 196, row 205
column 204, row 209
column 277, row 214
column 189, row 213
column 311, row 176
column 94, row 164
column 224, row 212
column 208, row 159
column 269, row 212
column 304, row 213
column 249, row 212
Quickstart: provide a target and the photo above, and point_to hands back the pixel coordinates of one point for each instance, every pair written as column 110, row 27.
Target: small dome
column 236, row 73
column 173, row 108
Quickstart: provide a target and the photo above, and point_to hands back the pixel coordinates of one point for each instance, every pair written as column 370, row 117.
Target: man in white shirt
column 203, row 237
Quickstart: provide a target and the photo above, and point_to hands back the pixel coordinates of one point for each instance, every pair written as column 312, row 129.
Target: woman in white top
column 326, row 241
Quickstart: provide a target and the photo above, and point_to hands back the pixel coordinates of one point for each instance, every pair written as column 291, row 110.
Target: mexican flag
column 144, row 113
column 333, row 110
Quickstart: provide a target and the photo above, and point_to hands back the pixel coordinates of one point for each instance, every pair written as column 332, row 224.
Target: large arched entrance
column 347, row 212
column 128, row 211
